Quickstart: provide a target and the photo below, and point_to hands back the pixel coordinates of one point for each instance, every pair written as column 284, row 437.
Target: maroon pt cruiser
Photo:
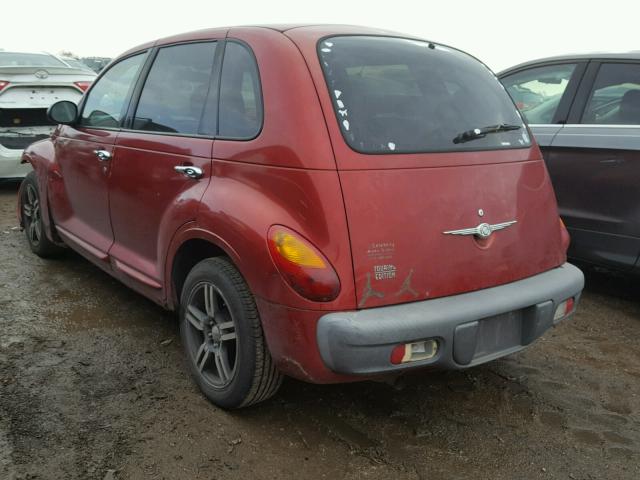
column 330, row 203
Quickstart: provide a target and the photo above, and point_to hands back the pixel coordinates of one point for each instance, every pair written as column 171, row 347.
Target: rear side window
column 615, row 97
column 240, row 114
column 107, row 100
column 537, row 92
column 174, row 94
column 394, row 95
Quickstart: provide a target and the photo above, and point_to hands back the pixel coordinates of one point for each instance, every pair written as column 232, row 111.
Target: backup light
column 413, row 352
column 564, row 309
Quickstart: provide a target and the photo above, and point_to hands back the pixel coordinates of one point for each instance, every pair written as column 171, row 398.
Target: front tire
column 222, row 337
column 32, row 219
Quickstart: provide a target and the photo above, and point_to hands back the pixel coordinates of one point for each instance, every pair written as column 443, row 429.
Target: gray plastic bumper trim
column 360, row 342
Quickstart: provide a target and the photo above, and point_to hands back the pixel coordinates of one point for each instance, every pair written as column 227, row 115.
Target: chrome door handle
column 612, row 161
column 189, row 171
column 102, row 155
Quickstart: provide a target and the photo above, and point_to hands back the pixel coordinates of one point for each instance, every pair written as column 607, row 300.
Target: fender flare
column 191, row 231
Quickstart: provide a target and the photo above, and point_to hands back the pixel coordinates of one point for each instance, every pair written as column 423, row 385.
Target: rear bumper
column 471, row 328
column 10, row 166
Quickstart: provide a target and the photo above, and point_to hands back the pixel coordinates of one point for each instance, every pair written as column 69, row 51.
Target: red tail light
column 3, row 83
column 82, row 85
column 302, row 265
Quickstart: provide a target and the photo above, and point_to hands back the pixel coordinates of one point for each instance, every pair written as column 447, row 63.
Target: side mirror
column 64, row 112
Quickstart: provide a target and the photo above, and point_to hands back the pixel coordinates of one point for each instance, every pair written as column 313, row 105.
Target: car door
column 79, row 185
column 162, row 161
column 594, row 162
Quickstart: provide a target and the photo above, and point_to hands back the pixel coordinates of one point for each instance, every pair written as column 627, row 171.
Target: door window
column 175, row 92
column 615, row 97
column 107, row 100
column 537, row 92
column 240, row 97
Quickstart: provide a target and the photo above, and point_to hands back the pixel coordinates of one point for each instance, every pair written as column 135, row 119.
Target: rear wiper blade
column 482, row 132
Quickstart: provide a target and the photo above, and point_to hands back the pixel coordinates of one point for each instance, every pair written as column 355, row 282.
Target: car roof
column 633, row 55
column 314, row 30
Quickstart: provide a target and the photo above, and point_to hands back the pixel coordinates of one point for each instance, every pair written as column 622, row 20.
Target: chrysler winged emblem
column 484, row 230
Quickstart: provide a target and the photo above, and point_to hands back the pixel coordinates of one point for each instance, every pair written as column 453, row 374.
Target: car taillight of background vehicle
column 84, row 85
column 302, row 265
column 3, row 84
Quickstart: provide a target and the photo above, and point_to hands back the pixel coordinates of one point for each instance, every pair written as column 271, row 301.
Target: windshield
column 394, row 95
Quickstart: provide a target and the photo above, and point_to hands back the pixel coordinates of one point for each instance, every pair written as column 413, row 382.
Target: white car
column 29, row 84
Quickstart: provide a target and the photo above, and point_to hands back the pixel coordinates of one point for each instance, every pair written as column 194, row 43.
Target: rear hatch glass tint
column 395, row 95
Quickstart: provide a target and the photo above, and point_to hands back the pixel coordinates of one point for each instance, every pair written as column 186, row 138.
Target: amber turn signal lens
column 302, row 265
column 296, row 250
column 564, row 236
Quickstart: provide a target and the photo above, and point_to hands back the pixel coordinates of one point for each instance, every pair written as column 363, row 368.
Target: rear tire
column 32, row 219
column 222, row 337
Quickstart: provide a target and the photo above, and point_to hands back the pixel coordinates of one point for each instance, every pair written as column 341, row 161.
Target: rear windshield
column 394, row 95
column 9, row 59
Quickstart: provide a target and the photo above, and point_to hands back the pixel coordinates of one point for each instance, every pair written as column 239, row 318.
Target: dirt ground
column 93, row 386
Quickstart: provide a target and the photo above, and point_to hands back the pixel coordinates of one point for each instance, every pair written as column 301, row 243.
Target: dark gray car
column 586, row 119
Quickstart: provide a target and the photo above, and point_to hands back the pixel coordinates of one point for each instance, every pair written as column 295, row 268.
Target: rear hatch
column 444, row 191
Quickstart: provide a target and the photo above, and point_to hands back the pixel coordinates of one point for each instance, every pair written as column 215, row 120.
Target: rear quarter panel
column 243, row 201
column 286, row 175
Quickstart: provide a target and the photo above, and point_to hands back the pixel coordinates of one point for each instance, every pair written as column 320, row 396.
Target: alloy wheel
column 31, row 211
column 211, row 336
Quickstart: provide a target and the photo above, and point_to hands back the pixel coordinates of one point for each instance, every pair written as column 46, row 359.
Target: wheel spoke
column 38, row 228
column 210, row 300
column 202, row 356
column 196, row 317
column 31, row 195
column 27, row 210
column 228, row 331
column 32, row 232
column 222, row 364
